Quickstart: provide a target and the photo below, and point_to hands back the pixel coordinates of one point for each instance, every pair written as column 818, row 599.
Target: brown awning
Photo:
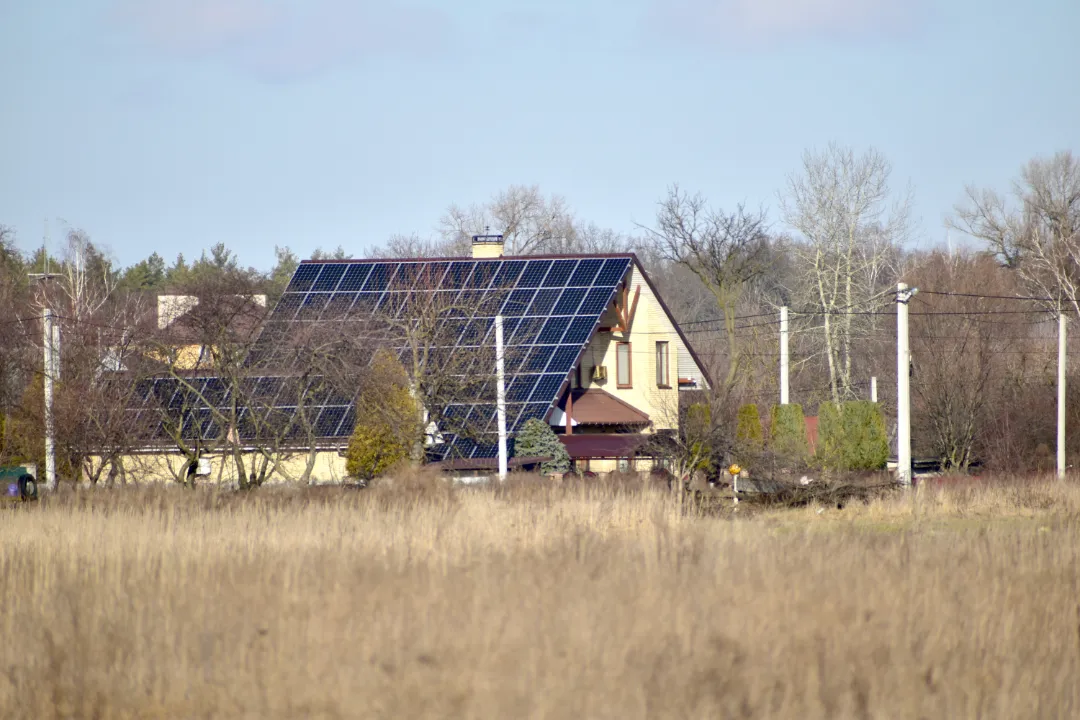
column 597, row 407
column 604, row 446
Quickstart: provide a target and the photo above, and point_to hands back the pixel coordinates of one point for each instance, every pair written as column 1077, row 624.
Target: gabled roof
column 599, row 407
column 551, row 307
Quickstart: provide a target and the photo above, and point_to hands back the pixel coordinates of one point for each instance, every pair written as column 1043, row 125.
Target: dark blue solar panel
column 458, row 274
column 544, row 302
column 483, row 274
column 339, row 305
column 550, row 308
column 405, row 276
column 518, row 302
column 560, row 273
column 476, row 331
column 286, row 307
column 579, row 331
column 613, row 271
column 303, row 278
column 365, row 303
column 534, row 273
column 313, row 306
column 585, row 273
column 536, row 360
column 379, row 277
column 509, row 272
column 520, row 387
column 329, row 277
column 563, row 357
column 569, row 302
column 553, row 330
column 355, row 275
column 596, row 301
column 547, row 387
column 533, row 410
column 528, row 331
column 329, row 419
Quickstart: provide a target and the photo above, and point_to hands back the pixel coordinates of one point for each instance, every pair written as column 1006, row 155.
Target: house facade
column 591, row 349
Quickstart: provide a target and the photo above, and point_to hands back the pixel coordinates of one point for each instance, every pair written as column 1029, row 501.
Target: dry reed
column 538, row 601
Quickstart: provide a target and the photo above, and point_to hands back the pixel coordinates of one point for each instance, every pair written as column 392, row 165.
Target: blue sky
column 171, row 125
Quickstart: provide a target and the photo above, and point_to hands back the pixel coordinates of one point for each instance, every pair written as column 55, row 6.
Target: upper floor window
column 662, row 378
column 623, row 375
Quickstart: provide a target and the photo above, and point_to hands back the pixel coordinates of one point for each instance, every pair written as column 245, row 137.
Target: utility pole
column 784, row 357
column 903, row 385
column 1062, row 358
column 50, row 333
column 51, row 369
column 500, row 373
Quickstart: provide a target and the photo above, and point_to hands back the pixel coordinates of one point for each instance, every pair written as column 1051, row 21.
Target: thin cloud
column 775, row 21
column 284, row 39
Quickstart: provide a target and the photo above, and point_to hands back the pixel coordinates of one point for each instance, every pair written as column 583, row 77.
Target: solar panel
column 550, row 308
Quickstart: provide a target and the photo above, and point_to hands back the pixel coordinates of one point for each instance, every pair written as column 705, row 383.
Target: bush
column 386, row 421
column 787, row 433
column 537, row 439
column 697, row 430
column 852, row 436
column 749, row 437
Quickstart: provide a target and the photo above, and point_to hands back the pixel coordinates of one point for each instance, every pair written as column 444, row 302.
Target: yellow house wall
column 168, row 467
column 649, row 326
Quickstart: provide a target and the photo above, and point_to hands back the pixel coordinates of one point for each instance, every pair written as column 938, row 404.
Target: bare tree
column 840, row 204
column 444, row 337
column 724, row 250
column 528, row 222
column 1038, row 233
column 88, row 278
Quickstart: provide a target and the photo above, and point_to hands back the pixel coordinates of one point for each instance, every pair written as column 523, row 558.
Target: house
column 186, row 328
column 589, row 347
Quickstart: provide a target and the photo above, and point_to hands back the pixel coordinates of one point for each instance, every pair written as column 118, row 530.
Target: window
column 623, row 376
column 662, row 365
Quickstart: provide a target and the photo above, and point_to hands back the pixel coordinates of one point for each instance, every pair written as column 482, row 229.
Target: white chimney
column 487, row 246
column 170, row 307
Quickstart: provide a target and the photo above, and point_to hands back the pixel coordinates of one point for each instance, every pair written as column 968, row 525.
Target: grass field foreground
column 543, row 601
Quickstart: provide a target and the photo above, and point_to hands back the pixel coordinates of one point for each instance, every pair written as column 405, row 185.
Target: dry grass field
column 421, row 601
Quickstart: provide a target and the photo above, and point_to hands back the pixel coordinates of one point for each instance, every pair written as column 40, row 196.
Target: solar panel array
column 195, row 406
column 550, row 309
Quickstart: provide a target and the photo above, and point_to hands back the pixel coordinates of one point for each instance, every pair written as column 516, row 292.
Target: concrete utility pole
column 1062, row 359
column 52, row 355
column 784, row 357
column 500, row 373
column 903, row 385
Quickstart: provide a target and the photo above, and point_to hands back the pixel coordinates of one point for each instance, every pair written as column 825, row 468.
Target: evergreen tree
column 787, row 433
column 386, row 426
column 537, row 439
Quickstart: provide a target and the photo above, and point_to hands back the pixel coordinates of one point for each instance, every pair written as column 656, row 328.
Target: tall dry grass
column 574, row 601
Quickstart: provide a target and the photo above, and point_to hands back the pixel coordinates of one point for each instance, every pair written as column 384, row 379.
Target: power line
column 986, row 297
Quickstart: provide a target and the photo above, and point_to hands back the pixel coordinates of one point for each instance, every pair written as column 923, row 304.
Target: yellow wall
column 649, row 326
column 168, row 467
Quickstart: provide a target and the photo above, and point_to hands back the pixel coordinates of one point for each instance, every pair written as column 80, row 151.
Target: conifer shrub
column 537, row 439
column 852, row 436
column 697, row 431
column 386, row 420
column 787, row 433
column 749, row 437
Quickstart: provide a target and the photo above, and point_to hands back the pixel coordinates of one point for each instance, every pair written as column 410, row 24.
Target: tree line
column 831, row 245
